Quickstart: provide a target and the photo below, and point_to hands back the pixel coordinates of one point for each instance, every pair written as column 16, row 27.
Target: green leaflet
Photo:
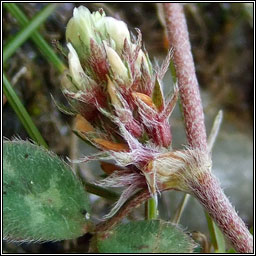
column 155, row 236
column 42, row 199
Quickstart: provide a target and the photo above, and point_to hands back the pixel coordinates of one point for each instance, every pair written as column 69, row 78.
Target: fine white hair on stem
column 183, row 165
column 127, row 193
column 119, row 179
column 97, row 156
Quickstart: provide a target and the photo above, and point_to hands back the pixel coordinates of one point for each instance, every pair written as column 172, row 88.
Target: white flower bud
column 141, row 56
column 116, row 29
column 80, row 28
column 84, row 26
column 76, row 70
column 116, row 64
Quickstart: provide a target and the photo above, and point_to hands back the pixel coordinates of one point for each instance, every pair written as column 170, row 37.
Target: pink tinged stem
column 208, row 191
column 185, row 71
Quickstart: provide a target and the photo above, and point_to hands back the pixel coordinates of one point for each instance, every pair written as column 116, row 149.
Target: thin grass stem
column 28, row 30
column 22, row 113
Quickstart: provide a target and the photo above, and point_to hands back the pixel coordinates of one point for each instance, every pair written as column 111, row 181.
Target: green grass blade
column 17, row 13
column 181, row 207
column 43, row 46
column 217, row 238
column 22, row 36
column 22, row 113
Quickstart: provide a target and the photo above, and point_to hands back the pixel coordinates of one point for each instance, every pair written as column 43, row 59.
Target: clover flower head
column 118, row 101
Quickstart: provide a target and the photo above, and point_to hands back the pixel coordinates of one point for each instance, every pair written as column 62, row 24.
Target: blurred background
column 222, row 43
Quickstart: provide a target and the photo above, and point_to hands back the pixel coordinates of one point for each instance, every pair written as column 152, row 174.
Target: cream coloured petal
column 116, row 64
column 76, row 70
column 116, row 29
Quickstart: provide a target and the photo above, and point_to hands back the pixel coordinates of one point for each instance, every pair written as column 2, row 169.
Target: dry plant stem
column 207, row 189
column 132, row 203
column 185, row 71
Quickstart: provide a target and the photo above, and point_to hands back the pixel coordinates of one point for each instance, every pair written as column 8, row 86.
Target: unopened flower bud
column 76, row 70
column 116, row 29
column 141, row 57
column 117, row 66
column 85, row 26
column 80, row 29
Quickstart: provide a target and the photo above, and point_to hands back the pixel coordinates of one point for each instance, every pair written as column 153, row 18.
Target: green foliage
column 22, row 113
column 153, row 236
column 22, row 36
column 42, row 199
column 43, row 46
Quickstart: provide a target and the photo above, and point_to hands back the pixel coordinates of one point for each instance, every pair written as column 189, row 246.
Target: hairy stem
column 185, row 71
column 208, row 191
